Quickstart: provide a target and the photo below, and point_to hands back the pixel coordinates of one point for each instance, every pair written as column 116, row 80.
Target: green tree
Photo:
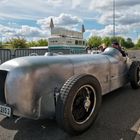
column 7, row 45
column 122, row 42
column 138, row 44
column 116, row 39
column 129, row 43
column 94, row 41
column 107, row 41
column 42, row 42
column 32, row 44
column 18, row 42
column 1, row 45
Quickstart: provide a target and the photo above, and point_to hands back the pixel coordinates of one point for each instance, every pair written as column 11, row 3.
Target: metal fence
column 7, row 54
column 27, row 52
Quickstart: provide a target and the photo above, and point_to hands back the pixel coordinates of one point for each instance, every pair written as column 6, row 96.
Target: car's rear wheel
column 78, row 103
column 134, row 74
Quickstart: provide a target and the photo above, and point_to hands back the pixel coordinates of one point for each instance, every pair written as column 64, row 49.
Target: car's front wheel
column 78, row 103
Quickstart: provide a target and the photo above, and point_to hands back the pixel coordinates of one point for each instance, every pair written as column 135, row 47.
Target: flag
column 83, row 29
column 51, row 24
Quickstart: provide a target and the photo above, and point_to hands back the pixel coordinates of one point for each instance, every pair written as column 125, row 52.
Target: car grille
column 3, row 75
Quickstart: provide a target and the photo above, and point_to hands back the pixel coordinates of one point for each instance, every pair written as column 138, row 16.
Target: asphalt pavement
column 118, row 119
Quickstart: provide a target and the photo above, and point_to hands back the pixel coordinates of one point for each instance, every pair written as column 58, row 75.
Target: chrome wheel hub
column 83, row 104
column 87, row 104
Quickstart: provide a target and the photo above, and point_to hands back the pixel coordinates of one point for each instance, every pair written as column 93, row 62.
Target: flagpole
column 114, row 19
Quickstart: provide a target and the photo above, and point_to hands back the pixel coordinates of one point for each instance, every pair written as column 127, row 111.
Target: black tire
column 78, row 103
column 134, row 74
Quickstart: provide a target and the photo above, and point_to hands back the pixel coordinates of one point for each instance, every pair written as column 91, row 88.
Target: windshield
column 112, row 52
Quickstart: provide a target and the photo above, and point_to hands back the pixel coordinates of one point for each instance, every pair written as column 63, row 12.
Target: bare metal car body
column 30, row 85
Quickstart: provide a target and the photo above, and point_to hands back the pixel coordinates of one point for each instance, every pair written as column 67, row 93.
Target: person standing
column 102, row 47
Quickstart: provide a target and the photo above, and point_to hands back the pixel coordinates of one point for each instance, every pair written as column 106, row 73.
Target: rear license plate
column 5, row 110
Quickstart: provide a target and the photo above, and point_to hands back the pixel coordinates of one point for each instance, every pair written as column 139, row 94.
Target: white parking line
column 137, row 137
column 136, row 128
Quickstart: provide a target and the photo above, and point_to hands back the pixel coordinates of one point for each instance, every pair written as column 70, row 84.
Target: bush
column 18, row 43
column 42, row 42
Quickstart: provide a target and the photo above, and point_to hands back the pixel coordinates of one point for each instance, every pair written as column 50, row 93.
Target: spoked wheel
column 83, row 104
column 134, row 74
column 78, row 103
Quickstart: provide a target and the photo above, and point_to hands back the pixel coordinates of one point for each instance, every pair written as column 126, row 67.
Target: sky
column 31, row 18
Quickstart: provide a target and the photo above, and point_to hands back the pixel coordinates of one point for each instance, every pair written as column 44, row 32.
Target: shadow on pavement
column 116, row 121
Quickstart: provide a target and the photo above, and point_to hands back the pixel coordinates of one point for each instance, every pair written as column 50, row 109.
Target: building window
column 84, row 42
column 80, row 42
column 76, row 42
column 69, row 42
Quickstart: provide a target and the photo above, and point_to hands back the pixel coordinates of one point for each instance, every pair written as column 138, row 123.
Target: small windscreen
column 112, row 52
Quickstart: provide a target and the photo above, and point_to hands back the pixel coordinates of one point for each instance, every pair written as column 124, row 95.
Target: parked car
column 66, row 87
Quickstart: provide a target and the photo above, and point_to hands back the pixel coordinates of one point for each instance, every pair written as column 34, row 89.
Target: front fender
column 20, row 92
column 29, row 89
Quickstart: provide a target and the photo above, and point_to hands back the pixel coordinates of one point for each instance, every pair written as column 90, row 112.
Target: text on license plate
column 5, row 110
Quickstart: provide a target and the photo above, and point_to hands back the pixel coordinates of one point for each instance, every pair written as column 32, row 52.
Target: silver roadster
column 68, row 88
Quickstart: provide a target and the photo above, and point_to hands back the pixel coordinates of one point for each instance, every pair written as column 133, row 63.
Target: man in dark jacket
column 118, row 47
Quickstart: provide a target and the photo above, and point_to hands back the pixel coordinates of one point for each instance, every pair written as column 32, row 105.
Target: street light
column 114, row 18
column 137, row 35
column 1, row 40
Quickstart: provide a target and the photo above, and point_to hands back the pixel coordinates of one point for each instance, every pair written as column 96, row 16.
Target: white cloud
column 127, row 17
column 3, row 1
column 25, row 31
column 108, row 4
column 77, row 3
column 31, row 9
column 71, row 13
column 126, row 11
column 28, row 31
column 61, row 20
column 36, row 9
column 14, row 30
column 108, row 31
column 5, row 29
column 54, row 2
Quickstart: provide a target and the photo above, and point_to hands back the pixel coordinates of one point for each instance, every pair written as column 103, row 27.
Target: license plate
column 5, row 110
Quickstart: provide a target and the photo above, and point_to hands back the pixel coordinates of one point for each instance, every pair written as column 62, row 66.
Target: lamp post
column 114, row 19
column 1, row 40
column 137, row 35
